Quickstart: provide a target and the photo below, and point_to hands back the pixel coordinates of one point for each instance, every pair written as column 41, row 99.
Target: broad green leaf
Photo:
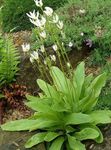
column 45, row 87
column 61, row 107
column 43, row 124
column 98, row 83
column 86, row 84
column 51, row 136
column 69, row 129
column 75, row 144
column 50, row 115
column 57, row 144
column 32, row 98
column 40, row 105
column 60, row 80
column 88, row 80
column 36, row 139
column 19, row 125
column 84, row 102
column 86, row 133
column 101, row 116
column 48, row 89
column 67, row 146
column 88, row 103
column 77, row 118
column 47, row 120
column 78, row 78
column 99, row 139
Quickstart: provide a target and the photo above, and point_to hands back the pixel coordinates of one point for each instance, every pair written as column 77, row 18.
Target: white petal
column 48, row 11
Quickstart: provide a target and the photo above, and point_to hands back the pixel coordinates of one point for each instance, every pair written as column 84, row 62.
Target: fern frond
column 9, row 62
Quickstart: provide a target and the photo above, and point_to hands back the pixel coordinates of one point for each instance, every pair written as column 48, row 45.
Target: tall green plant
column 9, row 61
column 65, row 113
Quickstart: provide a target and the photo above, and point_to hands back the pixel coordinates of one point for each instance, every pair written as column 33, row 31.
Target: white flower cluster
column 41, row 21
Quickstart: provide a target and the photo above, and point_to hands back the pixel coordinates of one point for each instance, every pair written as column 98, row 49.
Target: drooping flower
column 48, row 11
column 31, row 59
column 43, row 21
column 89, row 43
column 34, row 55
column 55, row 18
column 42, row 49
column 55, row 47
column 43, row 34
column 68, row 65
column 35, row 22
column 82, row 11
column 53, row 57
column 60, row 25
column 25, row 47
column 38, row 3
column 70, row 44
column 82, row 34
column 33, row 15
column 39, row 22
column 45, row 62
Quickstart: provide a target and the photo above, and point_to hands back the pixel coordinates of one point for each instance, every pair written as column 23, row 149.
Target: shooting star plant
column 48, row 24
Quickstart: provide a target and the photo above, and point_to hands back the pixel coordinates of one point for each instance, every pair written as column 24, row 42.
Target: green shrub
column 9, row 60
column 65, row 112
column 14, row 13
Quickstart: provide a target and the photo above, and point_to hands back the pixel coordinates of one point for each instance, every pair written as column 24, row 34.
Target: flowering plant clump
column 47, row 23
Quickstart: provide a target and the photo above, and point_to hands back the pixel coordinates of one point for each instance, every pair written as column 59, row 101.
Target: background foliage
column 14, row 13
column 95, row 23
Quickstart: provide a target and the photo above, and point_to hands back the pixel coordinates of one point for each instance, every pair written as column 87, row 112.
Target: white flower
column 33, row 15
column 53, row 57
column 82, row 11
column 82, row 34
column 48, row 11
column 45, row 62
column 43, row 21
column 38, row 22
column 34, row 56
column 38, row 3
column 31, row 59
column 68, row 65
column 55, row 47
column 55, row 18
column 43, row 34
column 25, row 47
column 42, row 49
column 60, row 25
column 62, row 44
column 35, row 22
column 70, row 44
